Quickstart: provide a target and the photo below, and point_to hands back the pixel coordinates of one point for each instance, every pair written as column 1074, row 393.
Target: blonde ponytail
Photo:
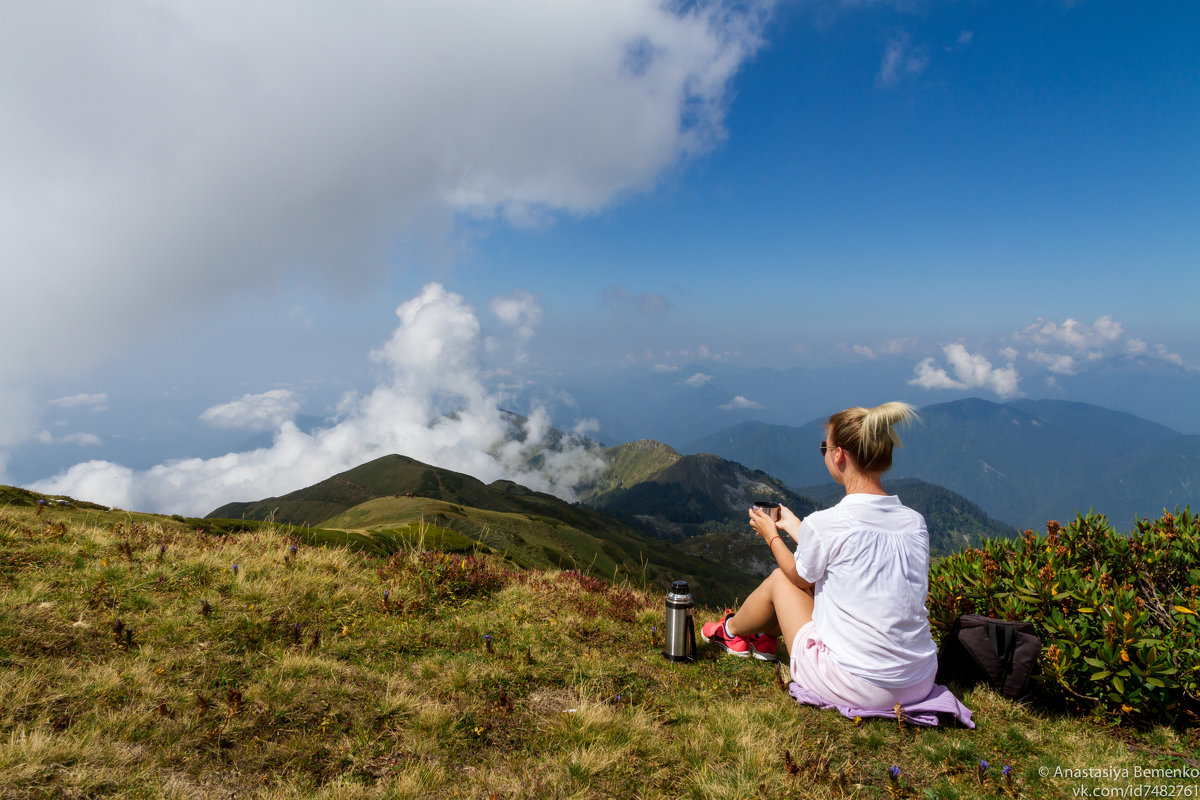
column 869, row 434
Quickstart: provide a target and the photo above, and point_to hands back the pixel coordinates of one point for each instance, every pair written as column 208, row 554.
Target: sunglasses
column 825, row 447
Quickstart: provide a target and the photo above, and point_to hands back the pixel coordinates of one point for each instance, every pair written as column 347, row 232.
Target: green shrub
column 1116, row 613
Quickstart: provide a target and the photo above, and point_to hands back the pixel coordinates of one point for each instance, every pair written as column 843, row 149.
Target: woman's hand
column 788, row 522
column 762, row 523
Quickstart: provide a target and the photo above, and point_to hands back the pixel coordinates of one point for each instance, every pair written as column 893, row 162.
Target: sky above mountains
column 213, row 214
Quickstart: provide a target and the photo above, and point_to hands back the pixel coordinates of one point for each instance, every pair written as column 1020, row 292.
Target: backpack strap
column 1002, row 651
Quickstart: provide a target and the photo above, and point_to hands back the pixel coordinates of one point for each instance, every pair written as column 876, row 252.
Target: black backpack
column 1000, row 653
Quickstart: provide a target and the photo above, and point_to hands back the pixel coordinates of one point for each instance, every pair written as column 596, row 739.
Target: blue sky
column 215, row 214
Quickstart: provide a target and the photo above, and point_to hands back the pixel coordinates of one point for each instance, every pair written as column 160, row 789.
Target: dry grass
column 135, row 662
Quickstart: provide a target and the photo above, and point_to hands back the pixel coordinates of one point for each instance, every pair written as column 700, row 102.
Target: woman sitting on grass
column 851, row 602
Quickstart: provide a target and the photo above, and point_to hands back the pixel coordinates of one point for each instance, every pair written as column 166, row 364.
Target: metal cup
column 771, row 508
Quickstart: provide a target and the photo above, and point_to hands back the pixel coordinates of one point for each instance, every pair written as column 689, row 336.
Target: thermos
column 679, row 632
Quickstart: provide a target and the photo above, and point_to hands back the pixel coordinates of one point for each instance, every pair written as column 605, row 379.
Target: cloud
column 739, row 402
column 95, row 401
column 1166, row 355
column 900, row 60
column 1067, row 347
column 1060, row 364
column 256, row 412
column 166, row 155
column 431, row 405
column 696, row 380
column 971, row 371
column 965, row 37
column 521, row 311
column 80, row 439
column 1072, row 333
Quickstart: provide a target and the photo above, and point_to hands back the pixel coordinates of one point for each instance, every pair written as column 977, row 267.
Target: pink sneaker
column 715, row 632
column 763, row 646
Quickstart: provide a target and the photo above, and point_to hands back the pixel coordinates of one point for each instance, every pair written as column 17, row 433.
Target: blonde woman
column 850, row 603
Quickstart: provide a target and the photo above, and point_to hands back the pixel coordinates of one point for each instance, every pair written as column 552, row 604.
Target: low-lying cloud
column 431, row 405
column 740, row 402
column 970, row 371
column 1065, row 348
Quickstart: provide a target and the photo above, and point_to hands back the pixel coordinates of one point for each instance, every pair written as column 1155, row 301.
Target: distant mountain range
column 1023, row 462
column 701, row 501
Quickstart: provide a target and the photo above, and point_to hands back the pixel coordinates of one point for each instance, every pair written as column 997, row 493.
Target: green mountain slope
column 398, row 499
column 630, row 464
column 694, row 495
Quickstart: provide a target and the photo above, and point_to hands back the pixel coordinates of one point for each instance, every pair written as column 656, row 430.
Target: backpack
column 1000, row 653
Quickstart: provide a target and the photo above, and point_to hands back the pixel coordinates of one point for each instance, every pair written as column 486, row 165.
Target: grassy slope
column 630, row 464
column 538, row 541
column 300, row 681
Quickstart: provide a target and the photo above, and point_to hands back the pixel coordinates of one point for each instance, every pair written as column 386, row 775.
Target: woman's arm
column 768, row 529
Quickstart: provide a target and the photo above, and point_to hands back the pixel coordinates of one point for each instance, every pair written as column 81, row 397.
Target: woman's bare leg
column 777, row 606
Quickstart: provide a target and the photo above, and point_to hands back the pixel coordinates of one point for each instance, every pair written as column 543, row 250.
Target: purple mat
column 940, row 701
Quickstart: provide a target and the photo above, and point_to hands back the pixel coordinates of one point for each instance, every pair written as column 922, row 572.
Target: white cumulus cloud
column 970, row 371
column 256, row 412
column 739, row 402
column 519, row 309
column 431, row 405
column 1061, row 364
column 1072, row 333
column 1067, row 347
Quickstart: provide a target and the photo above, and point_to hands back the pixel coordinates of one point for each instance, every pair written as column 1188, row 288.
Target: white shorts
column 815, row 668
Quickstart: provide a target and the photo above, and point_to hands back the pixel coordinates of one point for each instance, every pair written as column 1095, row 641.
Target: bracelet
column 772, row 542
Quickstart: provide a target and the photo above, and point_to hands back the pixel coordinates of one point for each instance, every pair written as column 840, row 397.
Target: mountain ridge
column 397, row 495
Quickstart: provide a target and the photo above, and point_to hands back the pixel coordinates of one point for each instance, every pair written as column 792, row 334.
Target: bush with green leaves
column 1116, row 612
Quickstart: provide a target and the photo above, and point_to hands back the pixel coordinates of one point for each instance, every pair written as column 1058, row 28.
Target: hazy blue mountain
column 1023, row 462
column 682, row 405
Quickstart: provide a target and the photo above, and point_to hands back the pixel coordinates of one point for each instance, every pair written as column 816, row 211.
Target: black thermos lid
column 679, row 587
